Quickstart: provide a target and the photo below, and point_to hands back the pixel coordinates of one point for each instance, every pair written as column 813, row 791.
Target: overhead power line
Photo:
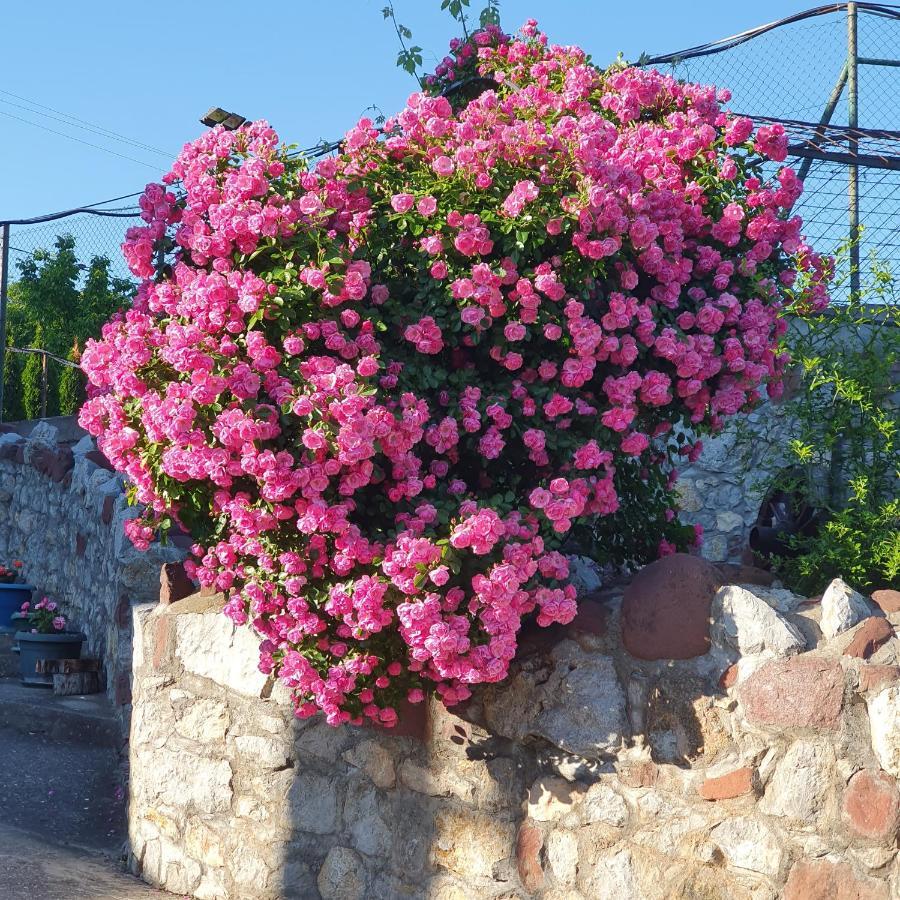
column 76, row 122
column 72, row 137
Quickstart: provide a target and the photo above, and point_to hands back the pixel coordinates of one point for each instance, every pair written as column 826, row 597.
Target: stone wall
column 750, row 753
column 724, row 489
column 62, row 511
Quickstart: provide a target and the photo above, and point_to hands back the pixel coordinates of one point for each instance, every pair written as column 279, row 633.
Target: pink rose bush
column 386, row 391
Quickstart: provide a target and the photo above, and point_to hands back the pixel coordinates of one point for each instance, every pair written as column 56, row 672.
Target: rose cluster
column 386, row 393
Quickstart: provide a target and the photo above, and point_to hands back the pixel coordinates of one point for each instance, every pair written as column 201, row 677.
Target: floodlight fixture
column 218, row 116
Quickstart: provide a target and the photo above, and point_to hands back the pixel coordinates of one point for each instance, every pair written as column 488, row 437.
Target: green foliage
column 409, row 57
column 845, row 440
column 71, row 390
column 860, row 543
column 31, row 384
column 55, row 303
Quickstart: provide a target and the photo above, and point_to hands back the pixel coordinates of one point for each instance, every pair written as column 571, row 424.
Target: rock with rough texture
column 576, row 703
column 822, row 879
column 213, row 647
column 884, row 720
column 725, row 787
column 666, row 608
column 803, row 692
column 887, row 599
column 842, row 608
column 529, row 843
column 749, row 843
column 342, row 876
column 751, row 626
column 872, row 633
column 871, row 805
column 612, row 878
column 801, row 781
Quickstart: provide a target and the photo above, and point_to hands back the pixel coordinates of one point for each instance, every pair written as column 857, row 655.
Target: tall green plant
column 845, row 439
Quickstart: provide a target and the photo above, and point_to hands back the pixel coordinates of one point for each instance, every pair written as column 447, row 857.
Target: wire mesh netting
column 795, row 71
column 98, row 231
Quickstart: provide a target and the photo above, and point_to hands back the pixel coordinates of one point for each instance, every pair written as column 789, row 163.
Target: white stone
column 183, row 780
column 264, row 752
column 884, row 721
column 613, row 878
column 800, row 782
column 603, row 804
column 751, row 626
column 842, row 608
column 552, row 798
column 205, row 721
column 749, row 844
column 562, row 854
column 575, row 702
column 209, row 645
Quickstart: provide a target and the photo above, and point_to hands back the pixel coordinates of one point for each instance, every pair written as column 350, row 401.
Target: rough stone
column 871, row 805
column 470, row 844
column 375, row 761
column 551, row 798
column 726, row 787
column 801, row 781
column 612, row 878
column 803, row 692
column 887, row 599
column 562, row 856
column 748, row 843
column 204, row 721
column 874, row 678
column 752, row 626
column 575, row 702
column 342, row 876
column 184, row 779
column 666, row 607
column 884, row 719
column 529, row 842
column 871, row 634
column 842, row 608
column 822, row 879
column 603, row 804
column 212, row 647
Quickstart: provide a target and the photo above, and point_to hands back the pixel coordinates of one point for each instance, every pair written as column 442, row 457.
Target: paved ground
column 62, row 805
column 32, row 869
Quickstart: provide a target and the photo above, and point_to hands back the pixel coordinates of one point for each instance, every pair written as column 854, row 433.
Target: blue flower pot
column 33, row 646
column 12, row 596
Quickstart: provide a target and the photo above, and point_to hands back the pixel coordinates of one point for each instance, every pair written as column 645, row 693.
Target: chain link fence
column 831, row 76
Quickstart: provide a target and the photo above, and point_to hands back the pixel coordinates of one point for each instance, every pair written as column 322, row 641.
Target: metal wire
column 789, row 71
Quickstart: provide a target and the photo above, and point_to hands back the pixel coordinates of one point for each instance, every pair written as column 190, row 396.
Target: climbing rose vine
column 386, row 392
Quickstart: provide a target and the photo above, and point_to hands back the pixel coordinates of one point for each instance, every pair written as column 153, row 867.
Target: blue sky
column 148, row 71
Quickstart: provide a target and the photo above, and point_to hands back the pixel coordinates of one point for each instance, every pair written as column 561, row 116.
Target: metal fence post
column 853, row 148
column 4, row 284
column 44, row 374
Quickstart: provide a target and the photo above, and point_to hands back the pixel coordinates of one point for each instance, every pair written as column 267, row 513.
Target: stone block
column 529, row 843
column 884, row 721
column 751, row 626
column 803, row 692
column 871, row 634
column 871, row 805
column 726, row 787
column 208, row 644
column 801, row 782
column 842, row 608
column 824, row 879
column 342, row 876
column 666, row 608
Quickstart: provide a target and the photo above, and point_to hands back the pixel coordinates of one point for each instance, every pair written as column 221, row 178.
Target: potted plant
column 46, row 637
column 13, row 593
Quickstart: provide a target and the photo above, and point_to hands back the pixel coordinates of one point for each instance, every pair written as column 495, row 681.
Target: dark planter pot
column 32, row 647
column 12, row 596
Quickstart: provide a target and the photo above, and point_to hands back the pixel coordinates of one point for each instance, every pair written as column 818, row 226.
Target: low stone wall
column 760, row 762
column 62, row 511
